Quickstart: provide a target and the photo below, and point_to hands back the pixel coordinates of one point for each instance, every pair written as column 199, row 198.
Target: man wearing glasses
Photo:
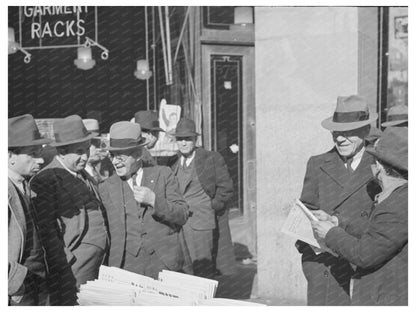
column 144, row 207
column 337, row 182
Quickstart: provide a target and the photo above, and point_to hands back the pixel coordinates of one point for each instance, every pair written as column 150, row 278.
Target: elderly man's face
column 126, row 162
column 26, row 161
column 186, row 145
column 76, row 156
column 349, row 143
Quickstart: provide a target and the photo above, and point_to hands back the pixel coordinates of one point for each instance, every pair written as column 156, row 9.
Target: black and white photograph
column 245, row 154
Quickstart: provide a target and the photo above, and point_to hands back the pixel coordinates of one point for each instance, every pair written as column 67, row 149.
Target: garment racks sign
column 54, row 26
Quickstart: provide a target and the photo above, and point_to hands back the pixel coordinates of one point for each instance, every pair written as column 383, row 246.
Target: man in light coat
column 27, row 267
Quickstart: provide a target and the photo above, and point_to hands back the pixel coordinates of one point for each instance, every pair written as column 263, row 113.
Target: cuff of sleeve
column 332, row 238
column 216, row 205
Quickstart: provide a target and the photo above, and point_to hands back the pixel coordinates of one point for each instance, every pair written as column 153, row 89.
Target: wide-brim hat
column 392, row 148
column 125, row 135
column 185, row 128
column 92, row 126
column 71, row 130
column 351, row 113
column 23, row 131
column 396, row 115
column 148, row 120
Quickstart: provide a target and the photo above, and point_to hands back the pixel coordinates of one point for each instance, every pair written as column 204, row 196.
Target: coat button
column 326, row 273
column 364, row 214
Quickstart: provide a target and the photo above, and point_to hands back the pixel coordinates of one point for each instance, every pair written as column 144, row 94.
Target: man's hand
column 323, row 216
column 321, row 228
column 144, row 195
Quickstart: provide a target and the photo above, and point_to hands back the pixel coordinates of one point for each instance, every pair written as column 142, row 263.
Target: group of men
column 341, row 183
column 66, row 219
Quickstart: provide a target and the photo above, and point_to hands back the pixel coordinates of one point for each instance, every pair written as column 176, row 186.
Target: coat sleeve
column 44, row 203
column 17, row 274
column 223, row 183
column 169, row 203
column 310, row 190
column 386, row 235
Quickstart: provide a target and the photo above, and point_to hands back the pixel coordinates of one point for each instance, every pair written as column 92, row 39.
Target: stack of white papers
column 115, row 286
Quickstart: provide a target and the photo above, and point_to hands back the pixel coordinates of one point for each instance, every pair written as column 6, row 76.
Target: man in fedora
column 71, row 216
column 206, row 185
column 27, row 268
column 337, row 183
column 149, row 122
column 397, row 116
column 144, row 207
column 98, row 166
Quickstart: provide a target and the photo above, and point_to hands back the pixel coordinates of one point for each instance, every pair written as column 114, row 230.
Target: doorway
column 229, row 116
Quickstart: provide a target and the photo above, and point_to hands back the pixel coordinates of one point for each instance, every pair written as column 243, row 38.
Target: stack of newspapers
column 115, row 286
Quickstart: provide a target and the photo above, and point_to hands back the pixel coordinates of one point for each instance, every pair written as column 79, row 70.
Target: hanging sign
column 49, row 26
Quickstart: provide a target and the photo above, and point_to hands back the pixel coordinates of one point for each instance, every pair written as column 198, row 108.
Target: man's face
column 27, row 161
column 94, row 151
column 349, row 143
column 151, row 136
column 186, row 145
column 126, row 162
column 76, row 156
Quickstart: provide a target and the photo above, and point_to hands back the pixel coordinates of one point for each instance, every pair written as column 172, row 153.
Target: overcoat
column 329, row 186
column 380, row 253
column 61, row 204
column 17, row 273
column 161, row 223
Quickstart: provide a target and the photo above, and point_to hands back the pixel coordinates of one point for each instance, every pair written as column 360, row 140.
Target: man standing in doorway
column 71, row 216
column 206, row 185
column 337, row 183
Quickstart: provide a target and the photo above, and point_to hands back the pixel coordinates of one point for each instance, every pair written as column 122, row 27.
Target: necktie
column 349, row 168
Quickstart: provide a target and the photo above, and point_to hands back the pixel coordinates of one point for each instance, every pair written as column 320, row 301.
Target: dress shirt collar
column 188, row 159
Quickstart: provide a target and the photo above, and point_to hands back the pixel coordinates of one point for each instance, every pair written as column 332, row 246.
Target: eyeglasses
column 119, row 157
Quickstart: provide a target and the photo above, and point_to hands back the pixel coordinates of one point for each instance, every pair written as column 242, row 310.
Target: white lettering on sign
column 60, row 28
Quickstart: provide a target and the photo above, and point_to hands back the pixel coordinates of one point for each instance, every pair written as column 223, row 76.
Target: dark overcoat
column 329, row 186
column 161, row 223
column 381, row 253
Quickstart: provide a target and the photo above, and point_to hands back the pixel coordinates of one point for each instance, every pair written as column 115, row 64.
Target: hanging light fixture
column 13, row 45
column 142, row 71
column 84, row 60
column 243, row 18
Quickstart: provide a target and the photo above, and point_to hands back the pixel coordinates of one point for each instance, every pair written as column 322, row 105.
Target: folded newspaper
column 117, row 287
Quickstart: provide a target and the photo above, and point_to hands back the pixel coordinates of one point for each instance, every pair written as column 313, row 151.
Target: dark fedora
column 71, row 130
column 396, row 115
column 392, row 148
column 185, row 128
column 125, row 135
column 350, row 113
column 23, row 131
column 148, row 120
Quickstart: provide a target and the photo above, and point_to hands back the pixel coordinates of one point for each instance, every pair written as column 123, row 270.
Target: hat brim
column 113, row 148
column 392, row 161
column 153, row 129
column 345, row 126
column 32, row 143
column 186, row 134
column 88, row 137
column 393, row 123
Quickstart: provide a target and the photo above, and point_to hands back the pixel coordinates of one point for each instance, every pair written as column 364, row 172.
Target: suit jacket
column 380, row 253
column 161, row 223
column 215, row 180
column 17, row 221
column 329, row 186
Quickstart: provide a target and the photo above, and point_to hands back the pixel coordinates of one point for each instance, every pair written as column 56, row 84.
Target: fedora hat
column 125, row 135
column 396, row 115
column 185, row 128
column 23, row 131
column 148, row 120
column 392, row 148
column 71, row 130
column 350, row 113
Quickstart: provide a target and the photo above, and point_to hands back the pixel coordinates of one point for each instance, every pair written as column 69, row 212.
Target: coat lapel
column 333, row 166
column 116, row 189
column 149, row 178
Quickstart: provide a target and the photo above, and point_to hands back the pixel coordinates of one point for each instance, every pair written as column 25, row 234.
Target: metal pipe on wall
column 168, row 47
column 162, row 34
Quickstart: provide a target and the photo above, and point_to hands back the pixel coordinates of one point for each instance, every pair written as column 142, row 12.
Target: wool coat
column 380, row 253
column 17, row 243
column 160, row 224
column 329, row 186
column 61, row 203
